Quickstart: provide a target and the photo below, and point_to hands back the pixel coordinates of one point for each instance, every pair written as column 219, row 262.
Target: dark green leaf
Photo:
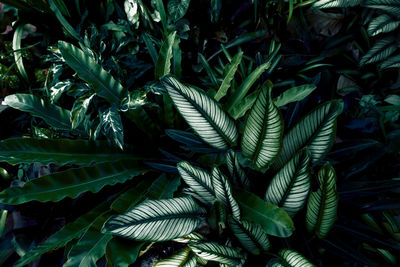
column 177, row 9
column 294, row 94
column 229, row 73
column 163, row 65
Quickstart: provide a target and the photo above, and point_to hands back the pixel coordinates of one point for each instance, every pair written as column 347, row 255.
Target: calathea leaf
column 290, row 258
column 382, row 24
column 380, row 51
column 251, row 236
column 230, row 71
column 389, row 6
column 392, row 62
column 202, row 113
column 217, row 218
column 263, row 131
column 193, row 237
column 157, row 220
column 223, row 192
column 316, row 131
column 199, row 180
column 336, row 3
column 215, row 252
column 239, row 177
column 290, row 186
column 183, row 258
column 163, row 65
column 112, row 126
column 88, row 70
column 322, row 204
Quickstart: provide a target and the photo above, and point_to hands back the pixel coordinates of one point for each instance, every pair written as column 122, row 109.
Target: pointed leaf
column 389, row 6
column 183, row 258
column 217, row 217
column 336, row 3
column 382, row 24
column 112, row 126
column 263, row 131
column 79, row 109
column 157, row 220
column 215, row 252
column 202, row 113
column 380, row 51
column 237, row 173
column 240, row 109
column 294, row 94
column 322, row 204
column 16, row 46
column 177, row 9
column 163, row 65
column 290, row 258
column 229, row 75
column 122, row 252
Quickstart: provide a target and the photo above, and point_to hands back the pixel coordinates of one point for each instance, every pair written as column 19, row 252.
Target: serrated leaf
column 213, row 251
column 251, row 236
column 90, row 71
column 290, row 258
column 199, row 180
column 274, row 220
column 294, row 94
column 290, row 186
column 163, row 65
column 72, row 182
column 157, row 220
column 223, row 192
column 322, row 204
column 202, row 113
column 382, row 24
column 229, row 75
column 380, row 51
column 316, row 131
column 237, row 173
column 177, row 9
column 263, row 131
column 59, row 151
column 336, row 3
column 112, row 126
column 183, row 258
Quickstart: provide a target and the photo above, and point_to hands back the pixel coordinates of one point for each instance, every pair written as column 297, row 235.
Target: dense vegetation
column 203, row 132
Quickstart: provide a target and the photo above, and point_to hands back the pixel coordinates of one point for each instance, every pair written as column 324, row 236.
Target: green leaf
column 380, row 51
column 54, row 6
column 237, row 173
column 251, row 236
column 202, row 113
column 316, row 131
column 69, row 232
column 382, row 24
column 215, row 252
column 163, row 65
column 177, row 9
column 164, row 187
column 290, row 186
column 59, row 151
column 391, row 62
column 199, row 180
column 16, row 46
column 240, row 109
column 294, row 94
column 183, row 258
column 223, row 192
column 274, row 220
column 322, row 204
column 217, row 217
column 88, row 70
column 157, row 220
column 159, row 5
column 262, row 137
column 112, row 126
column 72, row 182
column 193, row 237
column 79, row 109
column 335, row 3
column 209, row 70
column 389, row 6
column 230, row 71
column 290, row 258
column 122, row 252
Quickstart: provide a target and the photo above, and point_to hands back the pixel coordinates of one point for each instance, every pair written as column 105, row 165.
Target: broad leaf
column 382, row 24
column 164, row 187
column 163, row 65
column 177, row 9
column 79, row 109
column 274, row 220
column 72, row 182
column 322, row 204
column 290, row 258
column 251, row 236
column 193, row 237
column 122, row 252
column 336, row 3
column 199, row 180
column 223, row 192
column 112, row 126
column 240, row 109
column 389, row 6
column 230, row 71
column 183, row 258
column 202, row 113
column 263, row 131
column 290, row 186
column 380, row 51
column 90, row 71
column 215, row 252
column 157, row 220
column 316, row 131
column 237, row 173
column 294, row 94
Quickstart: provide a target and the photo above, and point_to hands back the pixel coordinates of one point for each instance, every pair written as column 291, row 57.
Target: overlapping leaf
column 213, row 251
column 236, row 171
column 183, row 258
column 290, row 258
column 382, row 24
column 202, row 113
column 229, row 75
column 336, row 3
column 380, row 51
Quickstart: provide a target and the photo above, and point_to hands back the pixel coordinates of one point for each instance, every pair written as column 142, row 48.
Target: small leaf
column 237, row 173
column 79, row 109
column 294, row 94
column 240, row 109
column 290, row 258
column 16, row 46
column 112, row 126
column 183, row 258
column 177, row 9
column 230, row 71
column 163, row 65
column 215, row 252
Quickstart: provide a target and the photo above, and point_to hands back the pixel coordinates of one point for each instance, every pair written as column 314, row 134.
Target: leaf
column 215, row 252
column 290, row 258
column 79, row 109
column 336, row 3
column 177, row 9
column 382, row 24
column 163, row 65
column 88, row 70
column 391, row 62
column 251, row 236
column 199, row 180
column 54, row 6
column 240, row 109
column 217, row 217
column 157, row 220
column 380, row 51
column 72, row 182
column 193, row 237
column 16, row 46
column 209, row 70
column 69, row 232
column 274, row 220
column 223, row 192
column 163, row 187
column 263, row 131
column 230, row 71
column 202, row 113
column 294, row 94
column 183, row 258
column 112, row 126
column 389, row 6
column 122, row 252
column 59, row 151
column 290, row 186
column 316, row 131
column 237, row 173
column 322, row 204
column 159, row 6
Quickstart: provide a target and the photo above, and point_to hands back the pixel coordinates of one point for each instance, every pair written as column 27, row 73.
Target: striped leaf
column 316, row 131
column 237, row 173
column 322, row 204
column 290, row 186
column 184, row 258
column 157, row 220
column 251, row 236
column 198, row 180
column 263, row 131
column 380, row 51
column 290, row 258
column 336, row 3
column 230, row 71
column 390, row 6
column 193, row 237
column 202, row 113
column 217, row 218
column 213, row 251
column 223, row 192
column 392, row 62
column 382, row 24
